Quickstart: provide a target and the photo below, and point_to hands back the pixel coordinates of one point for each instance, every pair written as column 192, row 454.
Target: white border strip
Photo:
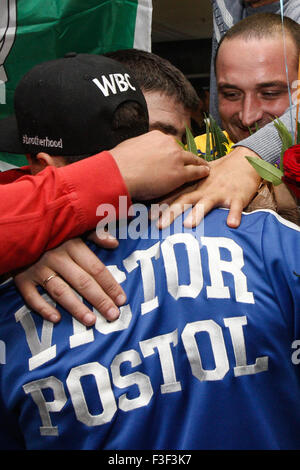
column 143, row 25
column 280, row 219
column 6, row 166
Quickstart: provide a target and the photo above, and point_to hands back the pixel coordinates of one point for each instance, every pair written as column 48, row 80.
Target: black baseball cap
column 65, row 106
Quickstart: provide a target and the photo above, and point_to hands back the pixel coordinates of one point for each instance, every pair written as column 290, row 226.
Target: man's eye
column 231, row 95
column 271, row 94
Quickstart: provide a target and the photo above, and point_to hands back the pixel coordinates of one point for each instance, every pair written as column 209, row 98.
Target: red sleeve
column 10, row 176
column 40, row 212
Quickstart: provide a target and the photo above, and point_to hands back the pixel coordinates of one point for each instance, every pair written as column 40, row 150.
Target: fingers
column 91, row 279
column 185, row 201
column 229, row 184
column 191, row 159
column 60, row 292
column 195, row 216
column 104, row 239
column 63, row 294
column 70, row 269
column 235, row 213
column 34, row 300
column 175, row 210
column 193, row 172
column 160, row 206
column 194, row 167
column 171, row 213
column 199, row 211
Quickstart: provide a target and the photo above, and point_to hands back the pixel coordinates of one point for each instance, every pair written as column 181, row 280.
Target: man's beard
column 239, row 132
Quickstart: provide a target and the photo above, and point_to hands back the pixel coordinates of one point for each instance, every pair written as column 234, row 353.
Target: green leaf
column 191, row 144
column 266, row 170
column 218, row 139
column 256, row 129
column 213, row 140
column 208, row 156
column 298, row 132
column 181, row 144
column 286, row 139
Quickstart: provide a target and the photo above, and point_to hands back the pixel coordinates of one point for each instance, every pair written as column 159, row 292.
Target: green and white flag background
column 33, row 31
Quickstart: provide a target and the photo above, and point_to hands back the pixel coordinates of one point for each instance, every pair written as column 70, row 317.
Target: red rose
column 291, row 169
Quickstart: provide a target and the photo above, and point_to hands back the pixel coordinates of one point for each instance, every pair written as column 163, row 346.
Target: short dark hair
column 154, row 73
column 261, row 26
column 130, row 120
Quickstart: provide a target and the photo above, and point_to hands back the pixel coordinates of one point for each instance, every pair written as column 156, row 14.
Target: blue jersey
column 205, row 355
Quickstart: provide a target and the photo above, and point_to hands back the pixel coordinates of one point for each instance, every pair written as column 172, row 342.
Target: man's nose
column 251, row 111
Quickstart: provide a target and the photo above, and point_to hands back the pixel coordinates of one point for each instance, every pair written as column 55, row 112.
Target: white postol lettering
column 35, row 389
column 136, row 378
column 110, row 84
column 218, row 348
column 104, row 391
column 170, row 383
column 162, row 344
column 161, row 348
column 235, row 326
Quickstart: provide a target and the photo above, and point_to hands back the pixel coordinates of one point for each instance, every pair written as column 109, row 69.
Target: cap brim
column 9, row 136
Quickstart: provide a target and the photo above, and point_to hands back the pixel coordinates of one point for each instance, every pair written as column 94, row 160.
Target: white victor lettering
column 193, row 262
column 41, row 349
column 147, row 273
column 202, row 343
column 217, row 265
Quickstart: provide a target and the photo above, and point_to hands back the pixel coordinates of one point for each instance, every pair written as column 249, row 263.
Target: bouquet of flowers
column 291, row 169
column 272, row 193
column 216, row 142
column 287, row 169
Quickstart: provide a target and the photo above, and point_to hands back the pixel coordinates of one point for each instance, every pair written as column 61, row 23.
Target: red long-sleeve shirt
column 39, row 212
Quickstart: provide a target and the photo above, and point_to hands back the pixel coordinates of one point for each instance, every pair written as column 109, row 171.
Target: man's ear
column 42, row 160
